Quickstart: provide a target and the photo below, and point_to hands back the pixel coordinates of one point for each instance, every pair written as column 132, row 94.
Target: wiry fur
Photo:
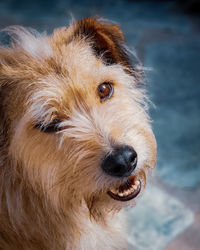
column 53, row 193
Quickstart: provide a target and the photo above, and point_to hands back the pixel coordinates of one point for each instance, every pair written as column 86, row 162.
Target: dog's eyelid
column 49, row 127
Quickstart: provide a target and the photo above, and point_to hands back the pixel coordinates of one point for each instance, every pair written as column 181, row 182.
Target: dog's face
column 73, row 114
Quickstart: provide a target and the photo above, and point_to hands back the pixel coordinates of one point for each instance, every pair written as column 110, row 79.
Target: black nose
column 120, row 162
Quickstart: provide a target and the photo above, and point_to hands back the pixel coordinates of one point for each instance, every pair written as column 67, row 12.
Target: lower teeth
column 131, row 189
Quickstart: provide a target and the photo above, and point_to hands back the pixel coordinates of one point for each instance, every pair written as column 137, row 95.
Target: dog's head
column 73, row 116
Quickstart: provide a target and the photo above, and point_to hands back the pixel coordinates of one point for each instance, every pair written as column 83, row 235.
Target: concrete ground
column 167, row 40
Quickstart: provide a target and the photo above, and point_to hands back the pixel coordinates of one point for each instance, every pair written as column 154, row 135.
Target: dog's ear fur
column 107, row 41
column 3, row 83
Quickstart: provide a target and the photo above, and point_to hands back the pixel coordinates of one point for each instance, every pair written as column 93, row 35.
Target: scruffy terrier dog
column 75, row 139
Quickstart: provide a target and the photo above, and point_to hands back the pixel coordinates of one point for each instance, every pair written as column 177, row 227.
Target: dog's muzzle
column 121, row 162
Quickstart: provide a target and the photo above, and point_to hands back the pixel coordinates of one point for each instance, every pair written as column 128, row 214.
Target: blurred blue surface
column 176, row 92
column 157, row 219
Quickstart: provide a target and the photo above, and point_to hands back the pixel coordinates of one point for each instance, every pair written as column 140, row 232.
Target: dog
column 76, row 142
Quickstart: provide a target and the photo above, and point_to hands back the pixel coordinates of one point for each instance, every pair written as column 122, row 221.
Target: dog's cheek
column 63, row 170
column 36, row 154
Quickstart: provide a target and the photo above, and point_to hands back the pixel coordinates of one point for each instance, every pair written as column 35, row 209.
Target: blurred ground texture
column 166, row 39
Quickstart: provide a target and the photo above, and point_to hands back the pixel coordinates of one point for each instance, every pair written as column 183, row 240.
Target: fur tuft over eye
column 50, row 127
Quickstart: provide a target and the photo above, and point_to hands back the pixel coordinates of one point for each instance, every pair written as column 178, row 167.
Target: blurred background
column 166, row 37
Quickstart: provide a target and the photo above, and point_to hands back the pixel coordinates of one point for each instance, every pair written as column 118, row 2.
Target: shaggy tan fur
column 53, row 193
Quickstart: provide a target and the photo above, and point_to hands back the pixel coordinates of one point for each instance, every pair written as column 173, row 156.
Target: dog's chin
column 122, row 194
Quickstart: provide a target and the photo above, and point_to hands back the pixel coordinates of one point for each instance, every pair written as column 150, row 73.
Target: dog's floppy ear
column 107, row 41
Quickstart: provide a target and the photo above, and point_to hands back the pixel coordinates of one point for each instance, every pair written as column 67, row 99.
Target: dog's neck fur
column 29, row 221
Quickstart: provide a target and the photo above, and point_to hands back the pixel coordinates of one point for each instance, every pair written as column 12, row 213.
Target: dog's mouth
column 126, row 191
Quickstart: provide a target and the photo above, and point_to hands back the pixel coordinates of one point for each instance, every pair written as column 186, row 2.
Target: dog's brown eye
column 50, row 127
column 105, row 90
